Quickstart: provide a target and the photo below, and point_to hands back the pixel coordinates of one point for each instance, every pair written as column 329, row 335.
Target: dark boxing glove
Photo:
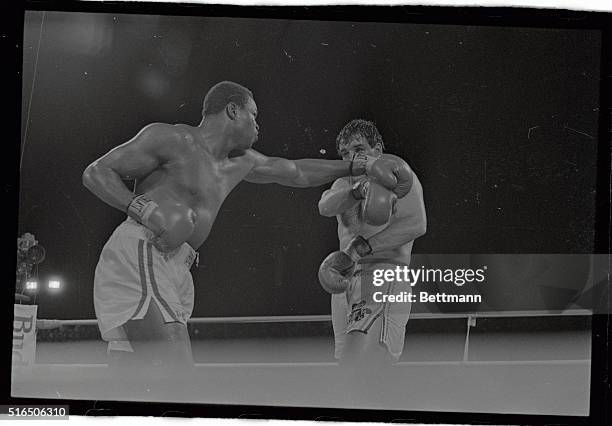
column 170, row 221
column 335, row 272
column 394, row 174
column 338, row 267
column 377, row 204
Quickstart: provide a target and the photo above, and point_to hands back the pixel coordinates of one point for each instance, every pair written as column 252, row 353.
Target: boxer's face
column 247, row 124
column 357, row 145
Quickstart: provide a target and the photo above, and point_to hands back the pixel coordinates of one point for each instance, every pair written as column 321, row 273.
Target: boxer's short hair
column 357, row 127
column 223, row 93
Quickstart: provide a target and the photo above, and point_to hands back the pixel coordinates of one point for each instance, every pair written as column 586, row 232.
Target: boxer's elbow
column 91, row 176
column 421, row 228
column 87, row 177
column 423, row 221
column 324, row 208
column 326, row 205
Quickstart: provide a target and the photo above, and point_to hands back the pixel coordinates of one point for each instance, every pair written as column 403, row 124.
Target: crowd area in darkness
column 200, row 331
column 67, row 333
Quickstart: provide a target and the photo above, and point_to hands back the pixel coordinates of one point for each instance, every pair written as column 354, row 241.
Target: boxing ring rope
column 470, row 318
column 54, row 323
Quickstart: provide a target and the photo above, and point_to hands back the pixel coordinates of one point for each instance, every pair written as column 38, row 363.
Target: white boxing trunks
column 130, row 273
column 356, row 309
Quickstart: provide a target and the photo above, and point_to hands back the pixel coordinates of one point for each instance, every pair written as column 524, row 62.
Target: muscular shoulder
column 162, row 131
column 176, row 137
column 161, row 140
column 394, row 157
column 249, row 160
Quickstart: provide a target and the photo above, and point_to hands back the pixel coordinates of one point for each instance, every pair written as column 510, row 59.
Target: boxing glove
column 337, row 268
column 393, row 173
column 170, row 221
column 357, row 248
column 335, row 271
column 378, row 202
column 361, row 164
column 359, row 190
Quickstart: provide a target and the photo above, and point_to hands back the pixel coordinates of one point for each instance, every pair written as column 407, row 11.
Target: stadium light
column 54, row 284
column 31, row 285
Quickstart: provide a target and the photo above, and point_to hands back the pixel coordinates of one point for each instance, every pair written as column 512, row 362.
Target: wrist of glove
column 360, row 189
column 361, row 164
column 358, row 247
column 140, row 208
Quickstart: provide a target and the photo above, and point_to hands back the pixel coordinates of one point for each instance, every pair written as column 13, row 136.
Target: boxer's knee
column 178, row 344
column 366, row 349
column 160, row 343
column 367, row 366
column 150, row 327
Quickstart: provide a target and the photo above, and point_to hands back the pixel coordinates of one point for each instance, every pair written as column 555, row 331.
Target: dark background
column 500, row 124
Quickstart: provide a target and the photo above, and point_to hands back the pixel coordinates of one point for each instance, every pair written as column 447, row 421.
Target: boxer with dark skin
column 197, row 167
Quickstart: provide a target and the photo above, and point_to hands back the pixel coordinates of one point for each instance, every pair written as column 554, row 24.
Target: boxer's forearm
column 107, row 185
column 315, row 172
column 336, row 201
column 398, row 234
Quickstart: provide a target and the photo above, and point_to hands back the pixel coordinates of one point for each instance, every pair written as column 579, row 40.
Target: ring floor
column 507, row 372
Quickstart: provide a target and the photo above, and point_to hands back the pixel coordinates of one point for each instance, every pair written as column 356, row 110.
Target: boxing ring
column 458, row 368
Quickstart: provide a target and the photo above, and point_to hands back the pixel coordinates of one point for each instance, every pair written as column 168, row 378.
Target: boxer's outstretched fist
column 361, row 164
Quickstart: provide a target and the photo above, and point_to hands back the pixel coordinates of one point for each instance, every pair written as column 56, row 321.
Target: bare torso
column 196, row 179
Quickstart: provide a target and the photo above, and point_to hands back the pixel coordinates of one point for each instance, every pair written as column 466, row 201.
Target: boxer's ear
column 231, row 110
column 378, row 149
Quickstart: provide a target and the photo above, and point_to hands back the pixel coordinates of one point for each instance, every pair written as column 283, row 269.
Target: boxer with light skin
column 379, row 217
column 143, row 290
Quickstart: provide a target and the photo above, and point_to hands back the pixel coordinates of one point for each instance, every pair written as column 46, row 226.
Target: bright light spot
column 54, row 284
column 31, row 285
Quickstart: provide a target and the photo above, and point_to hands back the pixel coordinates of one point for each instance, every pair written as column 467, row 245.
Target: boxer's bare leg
column 159, row 348
column 161, row 364
column 339, row 310
column 366, row 348
column 367, row 364
column 169, row 341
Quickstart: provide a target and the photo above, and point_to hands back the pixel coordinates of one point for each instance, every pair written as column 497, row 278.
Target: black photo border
column 11, row 38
